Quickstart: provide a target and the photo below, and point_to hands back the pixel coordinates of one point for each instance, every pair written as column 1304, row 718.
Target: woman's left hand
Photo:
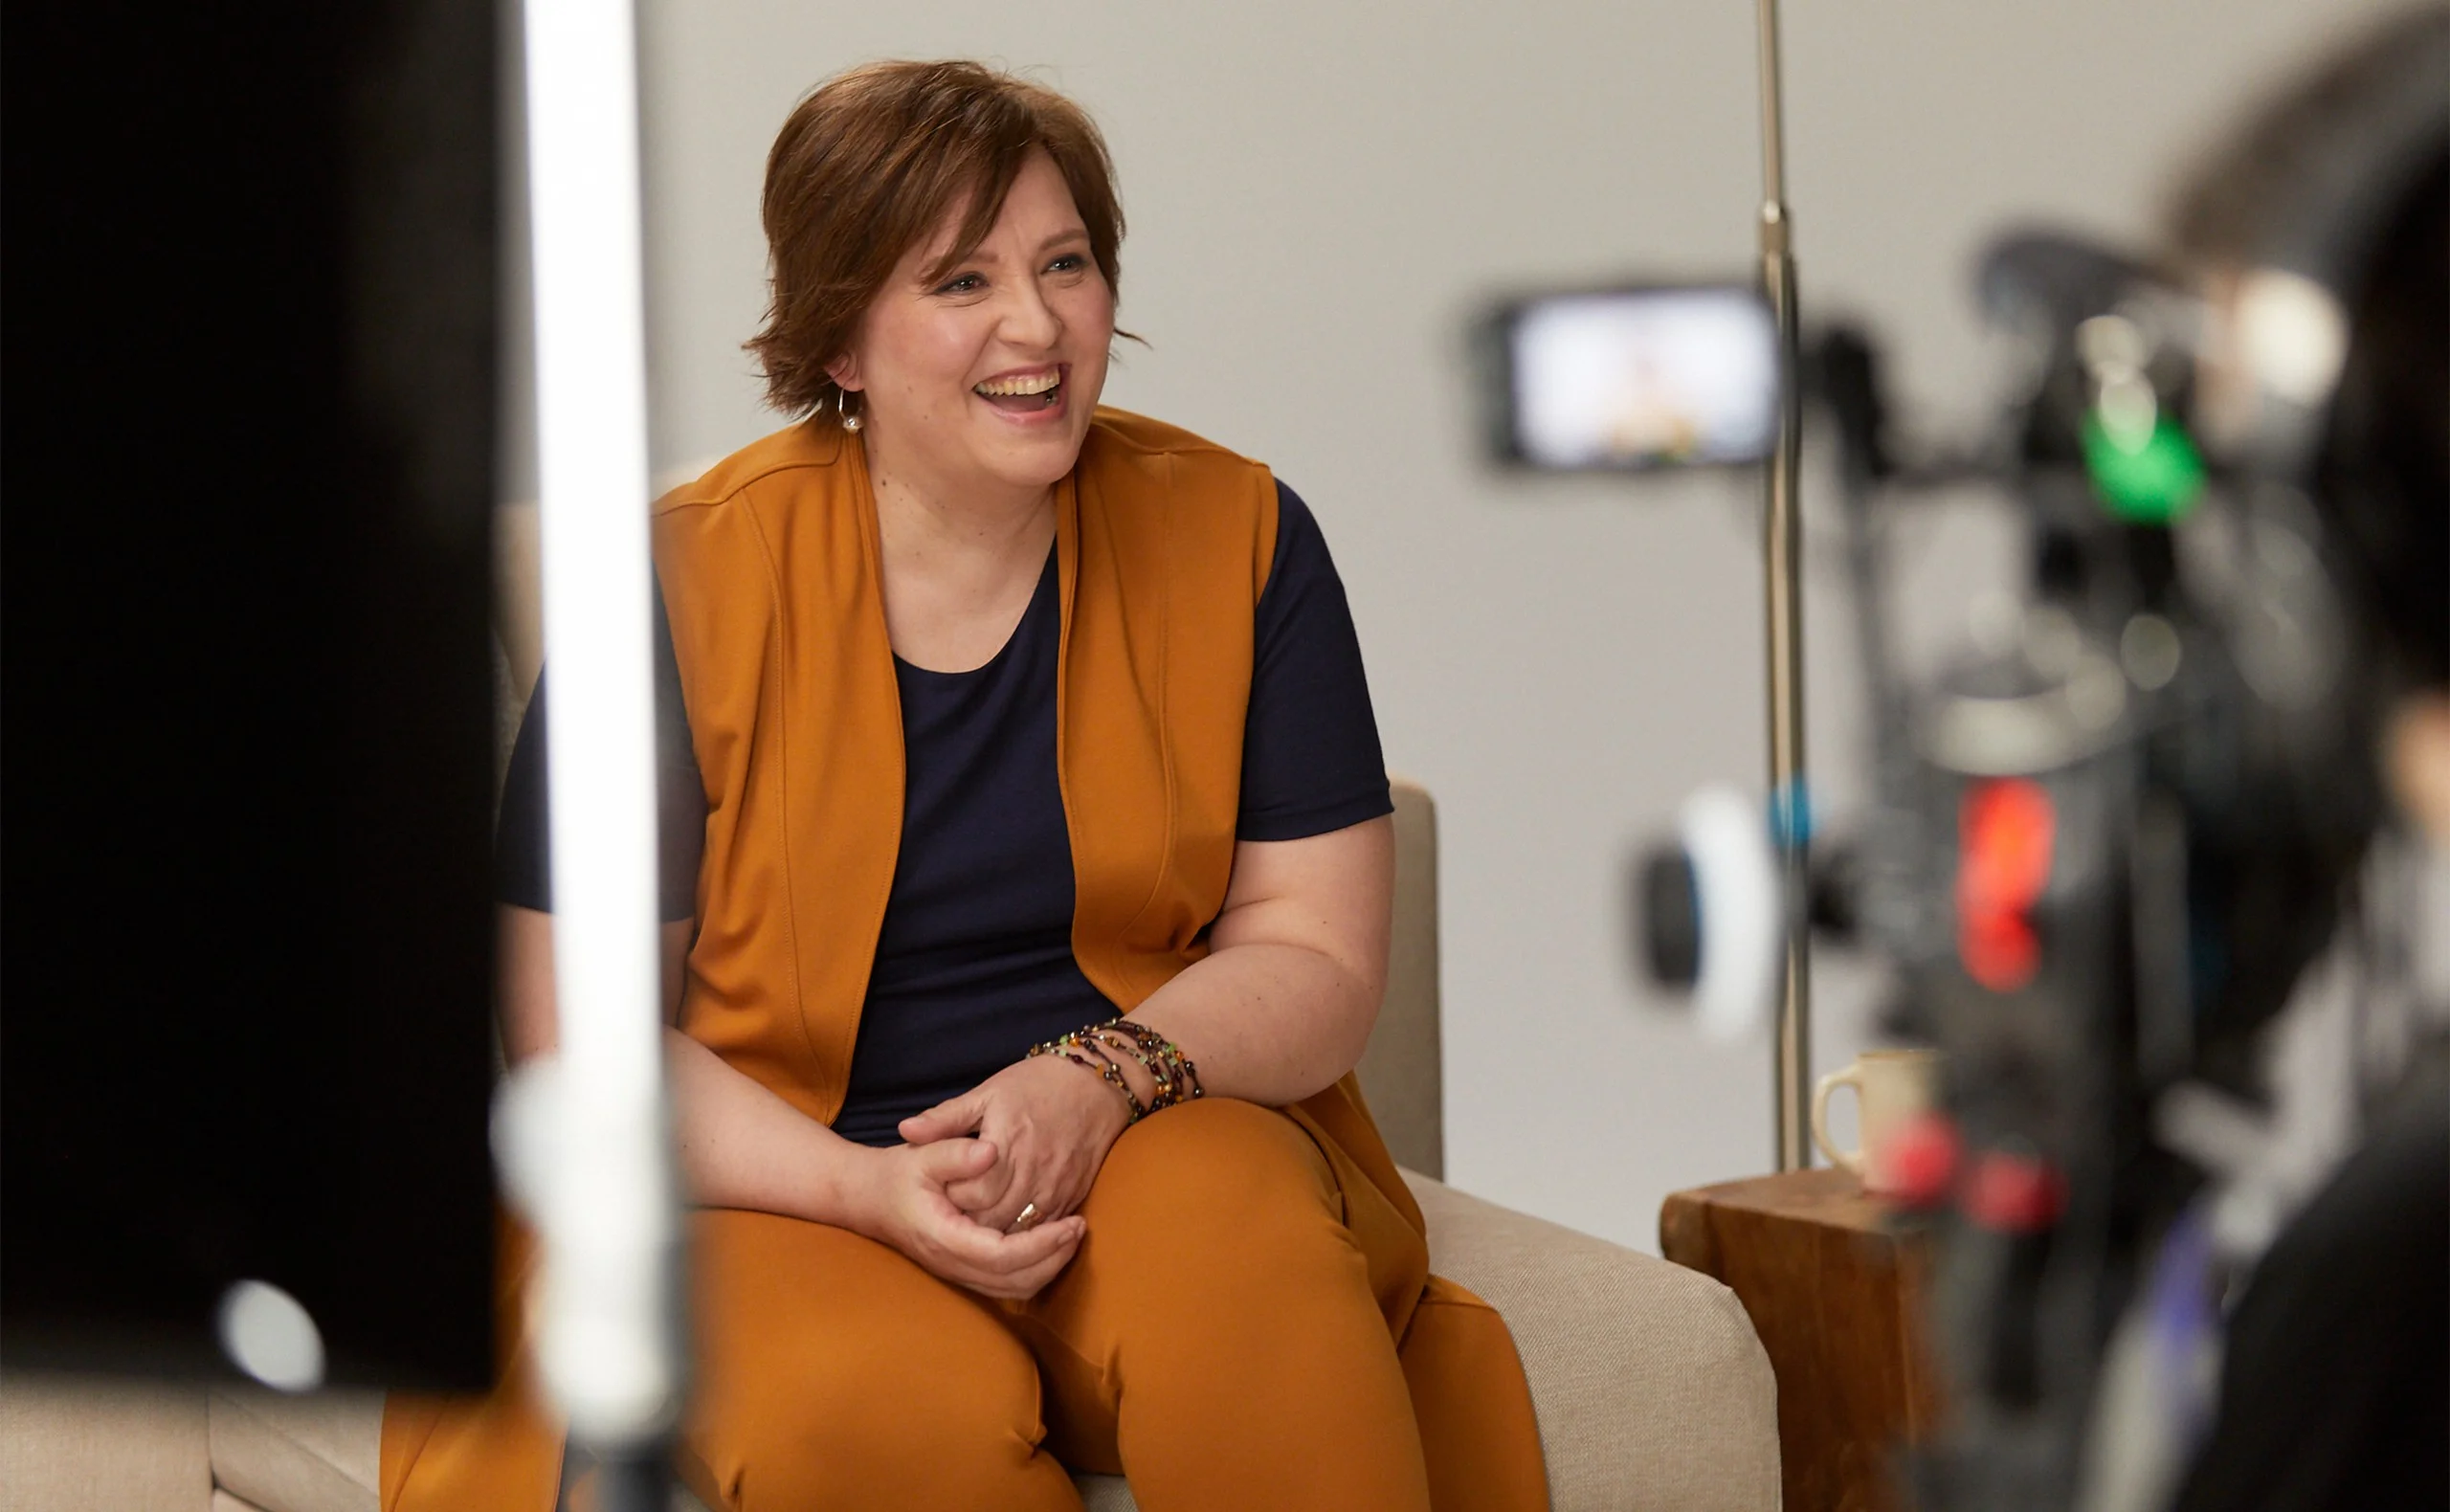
column 1051, row 1122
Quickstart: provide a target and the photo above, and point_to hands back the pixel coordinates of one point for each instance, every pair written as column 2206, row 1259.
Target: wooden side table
column 1834, row 1294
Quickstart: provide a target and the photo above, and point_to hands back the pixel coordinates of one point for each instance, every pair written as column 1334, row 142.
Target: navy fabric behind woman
column 974, row 962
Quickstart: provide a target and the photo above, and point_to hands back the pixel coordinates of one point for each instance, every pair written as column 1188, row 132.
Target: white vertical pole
column 607, row 1196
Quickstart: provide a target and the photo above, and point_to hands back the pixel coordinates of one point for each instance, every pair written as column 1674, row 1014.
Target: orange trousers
column 1220, row 1337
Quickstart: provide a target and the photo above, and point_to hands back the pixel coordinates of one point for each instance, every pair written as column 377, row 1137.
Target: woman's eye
column 1069, row 262
column 964, row 284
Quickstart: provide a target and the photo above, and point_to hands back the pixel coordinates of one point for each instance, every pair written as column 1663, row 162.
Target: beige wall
column 1319, row 191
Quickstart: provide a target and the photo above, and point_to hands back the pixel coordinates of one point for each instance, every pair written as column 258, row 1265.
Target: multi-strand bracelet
column 1096, row 1046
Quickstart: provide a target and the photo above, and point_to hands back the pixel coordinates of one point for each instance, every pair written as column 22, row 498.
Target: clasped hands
column 949, row 1201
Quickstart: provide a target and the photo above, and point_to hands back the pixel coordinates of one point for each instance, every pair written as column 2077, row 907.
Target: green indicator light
column 2152, row 485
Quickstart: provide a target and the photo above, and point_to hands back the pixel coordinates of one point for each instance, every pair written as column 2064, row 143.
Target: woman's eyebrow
column 980, row 255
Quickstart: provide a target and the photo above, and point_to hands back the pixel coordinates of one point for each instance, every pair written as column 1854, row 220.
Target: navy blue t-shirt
column 975, row 962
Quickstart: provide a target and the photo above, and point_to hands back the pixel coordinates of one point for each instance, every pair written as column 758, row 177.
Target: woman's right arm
column 742, row 1146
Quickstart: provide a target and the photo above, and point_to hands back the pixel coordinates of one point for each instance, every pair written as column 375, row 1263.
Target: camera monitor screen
column 1638, row 378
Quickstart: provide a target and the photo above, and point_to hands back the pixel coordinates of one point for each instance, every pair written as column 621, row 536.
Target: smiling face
column 982, row 381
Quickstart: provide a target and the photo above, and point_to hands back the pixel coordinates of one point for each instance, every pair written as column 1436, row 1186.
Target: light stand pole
column 1782, row 599
column 602, row 1187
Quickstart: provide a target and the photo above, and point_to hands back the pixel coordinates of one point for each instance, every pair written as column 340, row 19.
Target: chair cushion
column 298, row 1453
column 75, row 1446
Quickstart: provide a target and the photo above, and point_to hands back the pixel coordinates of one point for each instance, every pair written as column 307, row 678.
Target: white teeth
column 1038, row 383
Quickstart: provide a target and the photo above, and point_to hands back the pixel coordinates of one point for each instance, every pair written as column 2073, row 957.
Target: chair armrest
column 1651, row 1386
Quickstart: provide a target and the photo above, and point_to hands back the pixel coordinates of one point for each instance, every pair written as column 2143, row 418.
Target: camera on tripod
column 2104, row 840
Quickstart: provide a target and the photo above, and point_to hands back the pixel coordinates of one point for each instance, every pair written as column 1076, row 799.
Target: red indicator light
column 1920, row 1159
column 2013, row 1194
column 2005, row 828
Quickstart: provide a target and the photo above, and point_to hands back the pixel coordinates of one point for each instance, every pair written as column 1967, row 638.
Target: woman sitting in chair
column 1029, row 872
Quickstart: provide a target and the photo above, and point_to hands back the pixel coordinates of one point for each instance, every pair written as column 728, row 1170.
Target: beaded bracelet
column 1176, row 1077
column 1096, row 1061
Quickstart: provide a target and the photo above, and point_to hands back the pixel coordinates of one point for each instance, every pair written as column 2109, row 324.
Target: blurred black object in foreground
column 250, row 413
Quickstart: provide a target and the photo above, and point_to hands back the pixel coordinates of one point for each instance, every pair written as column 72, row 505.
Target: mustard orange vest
column 769, row 567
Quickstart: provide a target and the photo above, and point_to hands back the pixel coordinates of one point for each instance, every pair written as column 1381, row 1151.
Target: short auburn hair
column 870, row 164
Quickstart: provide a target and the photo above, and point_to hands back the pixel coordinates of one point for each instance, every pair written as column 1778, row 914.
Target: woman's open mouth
column 1023, row 393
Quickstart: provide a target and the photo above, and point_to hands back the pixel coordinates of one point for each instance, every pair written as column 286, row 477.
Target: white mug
column 1891, row 1088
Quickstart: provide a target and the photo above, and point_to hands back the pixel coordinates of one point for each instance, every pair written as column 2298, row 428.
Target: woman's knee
column 1221, row 1151
column 833, row 1371
column 1239, row 1188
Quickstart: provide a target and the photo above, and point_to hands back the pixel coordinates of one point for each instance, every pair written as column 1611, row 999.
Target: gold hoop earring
column 842, row 408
